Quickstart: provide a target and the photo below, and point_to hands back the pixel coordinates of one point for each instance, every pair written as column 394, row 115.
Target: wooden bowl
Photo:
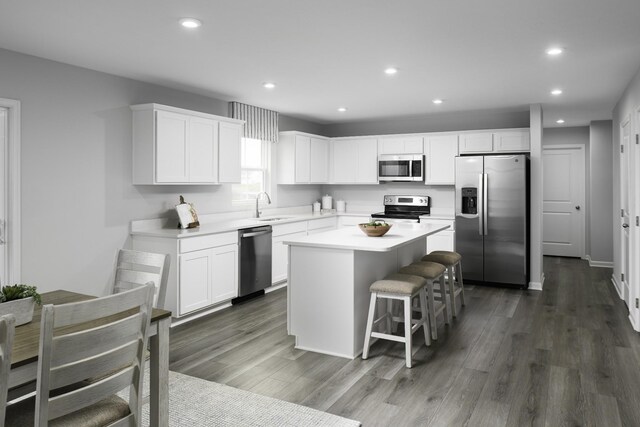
column 375, row 230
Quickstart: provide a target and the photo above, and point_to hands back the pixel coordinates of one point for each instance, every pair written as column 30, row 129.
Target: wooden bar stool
column 401, row 287
column 451, row 260
column 431, row 272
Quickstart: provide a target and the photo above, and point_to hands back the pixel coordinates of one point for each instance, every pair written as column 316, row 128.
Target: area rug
column 196, row 402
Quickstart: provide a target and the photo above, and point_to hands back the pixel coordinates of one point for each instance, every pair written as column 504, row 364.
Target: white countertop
column 234, row 225
column 351, row 238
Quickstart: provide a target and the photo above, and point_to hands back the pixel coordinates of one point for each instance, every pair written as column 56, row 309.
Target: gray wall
column 601, row 197
column 465, row 120
column 286, row 123
column 77, row 196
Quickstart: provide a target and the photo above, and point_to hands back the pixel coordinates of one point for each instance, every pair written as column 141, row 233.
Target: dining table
column 24, row 357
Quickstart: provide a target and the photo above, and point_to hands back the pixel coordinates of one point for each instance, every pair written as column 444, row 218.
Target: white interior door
column 563, row 200
column 625, row 135
column 4, row 267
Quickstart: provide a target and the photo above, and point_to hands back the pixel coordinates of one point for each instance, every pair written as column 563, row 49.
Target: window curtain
column 260, row 123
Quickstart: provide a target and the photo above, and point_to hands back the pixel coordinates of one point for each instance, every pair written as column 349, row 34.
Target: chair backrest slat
column 95, row 366
column 94, row 309
column 7, row 332
column 118, row 352
column 139, row 268
column 80, row 345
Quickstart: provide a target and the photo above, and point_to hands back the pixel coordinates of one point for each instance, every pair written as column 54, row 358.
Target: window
column 254, row 170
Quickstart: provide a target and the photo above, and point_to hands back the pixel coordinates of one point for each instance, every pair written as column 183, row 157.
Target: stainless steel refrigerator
column 492, row 219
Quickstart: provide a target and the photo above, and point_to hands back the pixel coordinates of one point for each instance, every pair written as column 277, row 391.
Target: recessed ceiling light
column 342, row 109
column 391, row 71
column 556, row 92
column 437, row 101
column 190, row 23
column 269, row 85
column 554, row 51
column 559, row 121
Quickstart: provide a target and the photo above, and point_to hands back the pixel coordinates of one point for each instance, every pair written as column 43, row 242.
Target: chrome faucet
column 258, row 198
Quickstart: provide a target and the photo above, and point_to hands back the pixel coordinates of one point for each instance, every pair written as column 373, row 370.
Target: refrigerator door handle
column 480, row 204
column 485, row 203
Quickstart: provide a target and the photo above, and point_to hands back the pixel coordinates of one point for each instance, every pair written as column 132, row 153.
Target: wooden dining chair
column 7, row 331
column 135, row 268
column 100, row 337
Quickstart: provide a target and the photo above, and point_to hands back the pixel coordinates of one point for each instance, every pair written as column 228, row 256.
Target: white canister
column 327, row 202
column 316, row 207
column 341, row 206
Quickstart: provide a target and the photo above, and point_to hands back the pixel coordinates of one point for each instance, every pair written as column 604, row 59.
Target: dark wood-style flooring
column 564, row 356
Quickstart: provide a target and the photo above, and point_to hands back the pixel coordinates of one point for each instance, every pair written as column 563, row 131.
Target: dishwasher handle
column 257, row 233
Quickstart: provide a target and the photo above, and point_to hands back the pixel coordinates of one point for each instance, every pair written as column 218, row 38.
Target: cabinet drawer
column 205, row 242
column 293, row 227
column 322, row 223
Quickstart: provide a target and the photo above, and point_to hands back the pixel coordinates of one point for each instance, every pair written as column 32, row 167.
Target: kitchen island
column 329, row 278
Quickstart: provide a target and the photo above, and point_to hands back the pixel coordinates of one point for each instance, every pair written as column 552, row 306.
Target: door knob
column 625, row 225
column 577, row 208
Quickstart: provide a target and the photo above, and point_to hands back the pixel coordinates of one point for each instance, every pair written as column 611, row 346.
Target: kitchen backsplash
column 442, row 197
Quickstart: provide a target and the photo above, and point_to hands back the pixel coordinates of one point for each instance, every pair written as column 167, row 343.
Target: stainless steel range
column 404, row 208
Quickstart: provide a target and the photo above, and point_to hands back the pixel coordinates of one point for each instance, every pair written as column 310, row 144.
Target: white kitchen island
column 329, row 278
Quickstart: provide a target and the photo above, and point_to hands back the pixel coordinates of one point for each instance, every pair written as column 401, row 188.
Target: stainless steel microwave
column 400, row 167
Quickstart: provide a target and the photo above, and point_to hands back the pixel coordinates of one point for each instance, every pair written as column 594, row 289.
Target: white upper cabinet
column 302, row 158
column 203, row 140
column 230, row 135
column 476, row 142
column 319, row 161
column 354, row 161
column 401, row 144
column 497, row 141
column 516, row 140
column 440, row 153
column 344, row 154
column 176, row 146
column 367, row 172
column 171, row 147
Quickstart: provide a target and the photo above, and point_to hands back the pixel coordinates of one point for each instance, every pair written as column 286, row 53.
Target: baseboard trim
column 537, row 286
column 617, row 286
column 275, row 287
column 175, row 321
column 599, row 264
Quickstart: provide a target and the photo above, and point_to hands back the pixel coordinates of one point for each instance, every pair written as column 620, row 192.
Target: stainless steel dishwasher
column 255, row 262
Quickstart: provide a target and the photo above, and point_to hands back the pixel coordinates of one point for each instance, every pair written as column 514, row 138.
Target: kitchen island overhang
column 329, row 278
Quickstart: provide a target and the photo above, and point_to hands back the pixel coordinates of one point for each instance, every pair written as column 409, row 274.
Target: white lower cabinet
column 280, row 257
column 321, row 225
column 444, row 240
column 207, row 277
column 279, row 251
column 195, row 280
column 203, row 271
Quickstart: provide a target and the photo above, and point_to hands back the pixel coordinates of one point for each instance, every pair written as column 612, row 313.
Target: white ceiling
column 323, row 54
